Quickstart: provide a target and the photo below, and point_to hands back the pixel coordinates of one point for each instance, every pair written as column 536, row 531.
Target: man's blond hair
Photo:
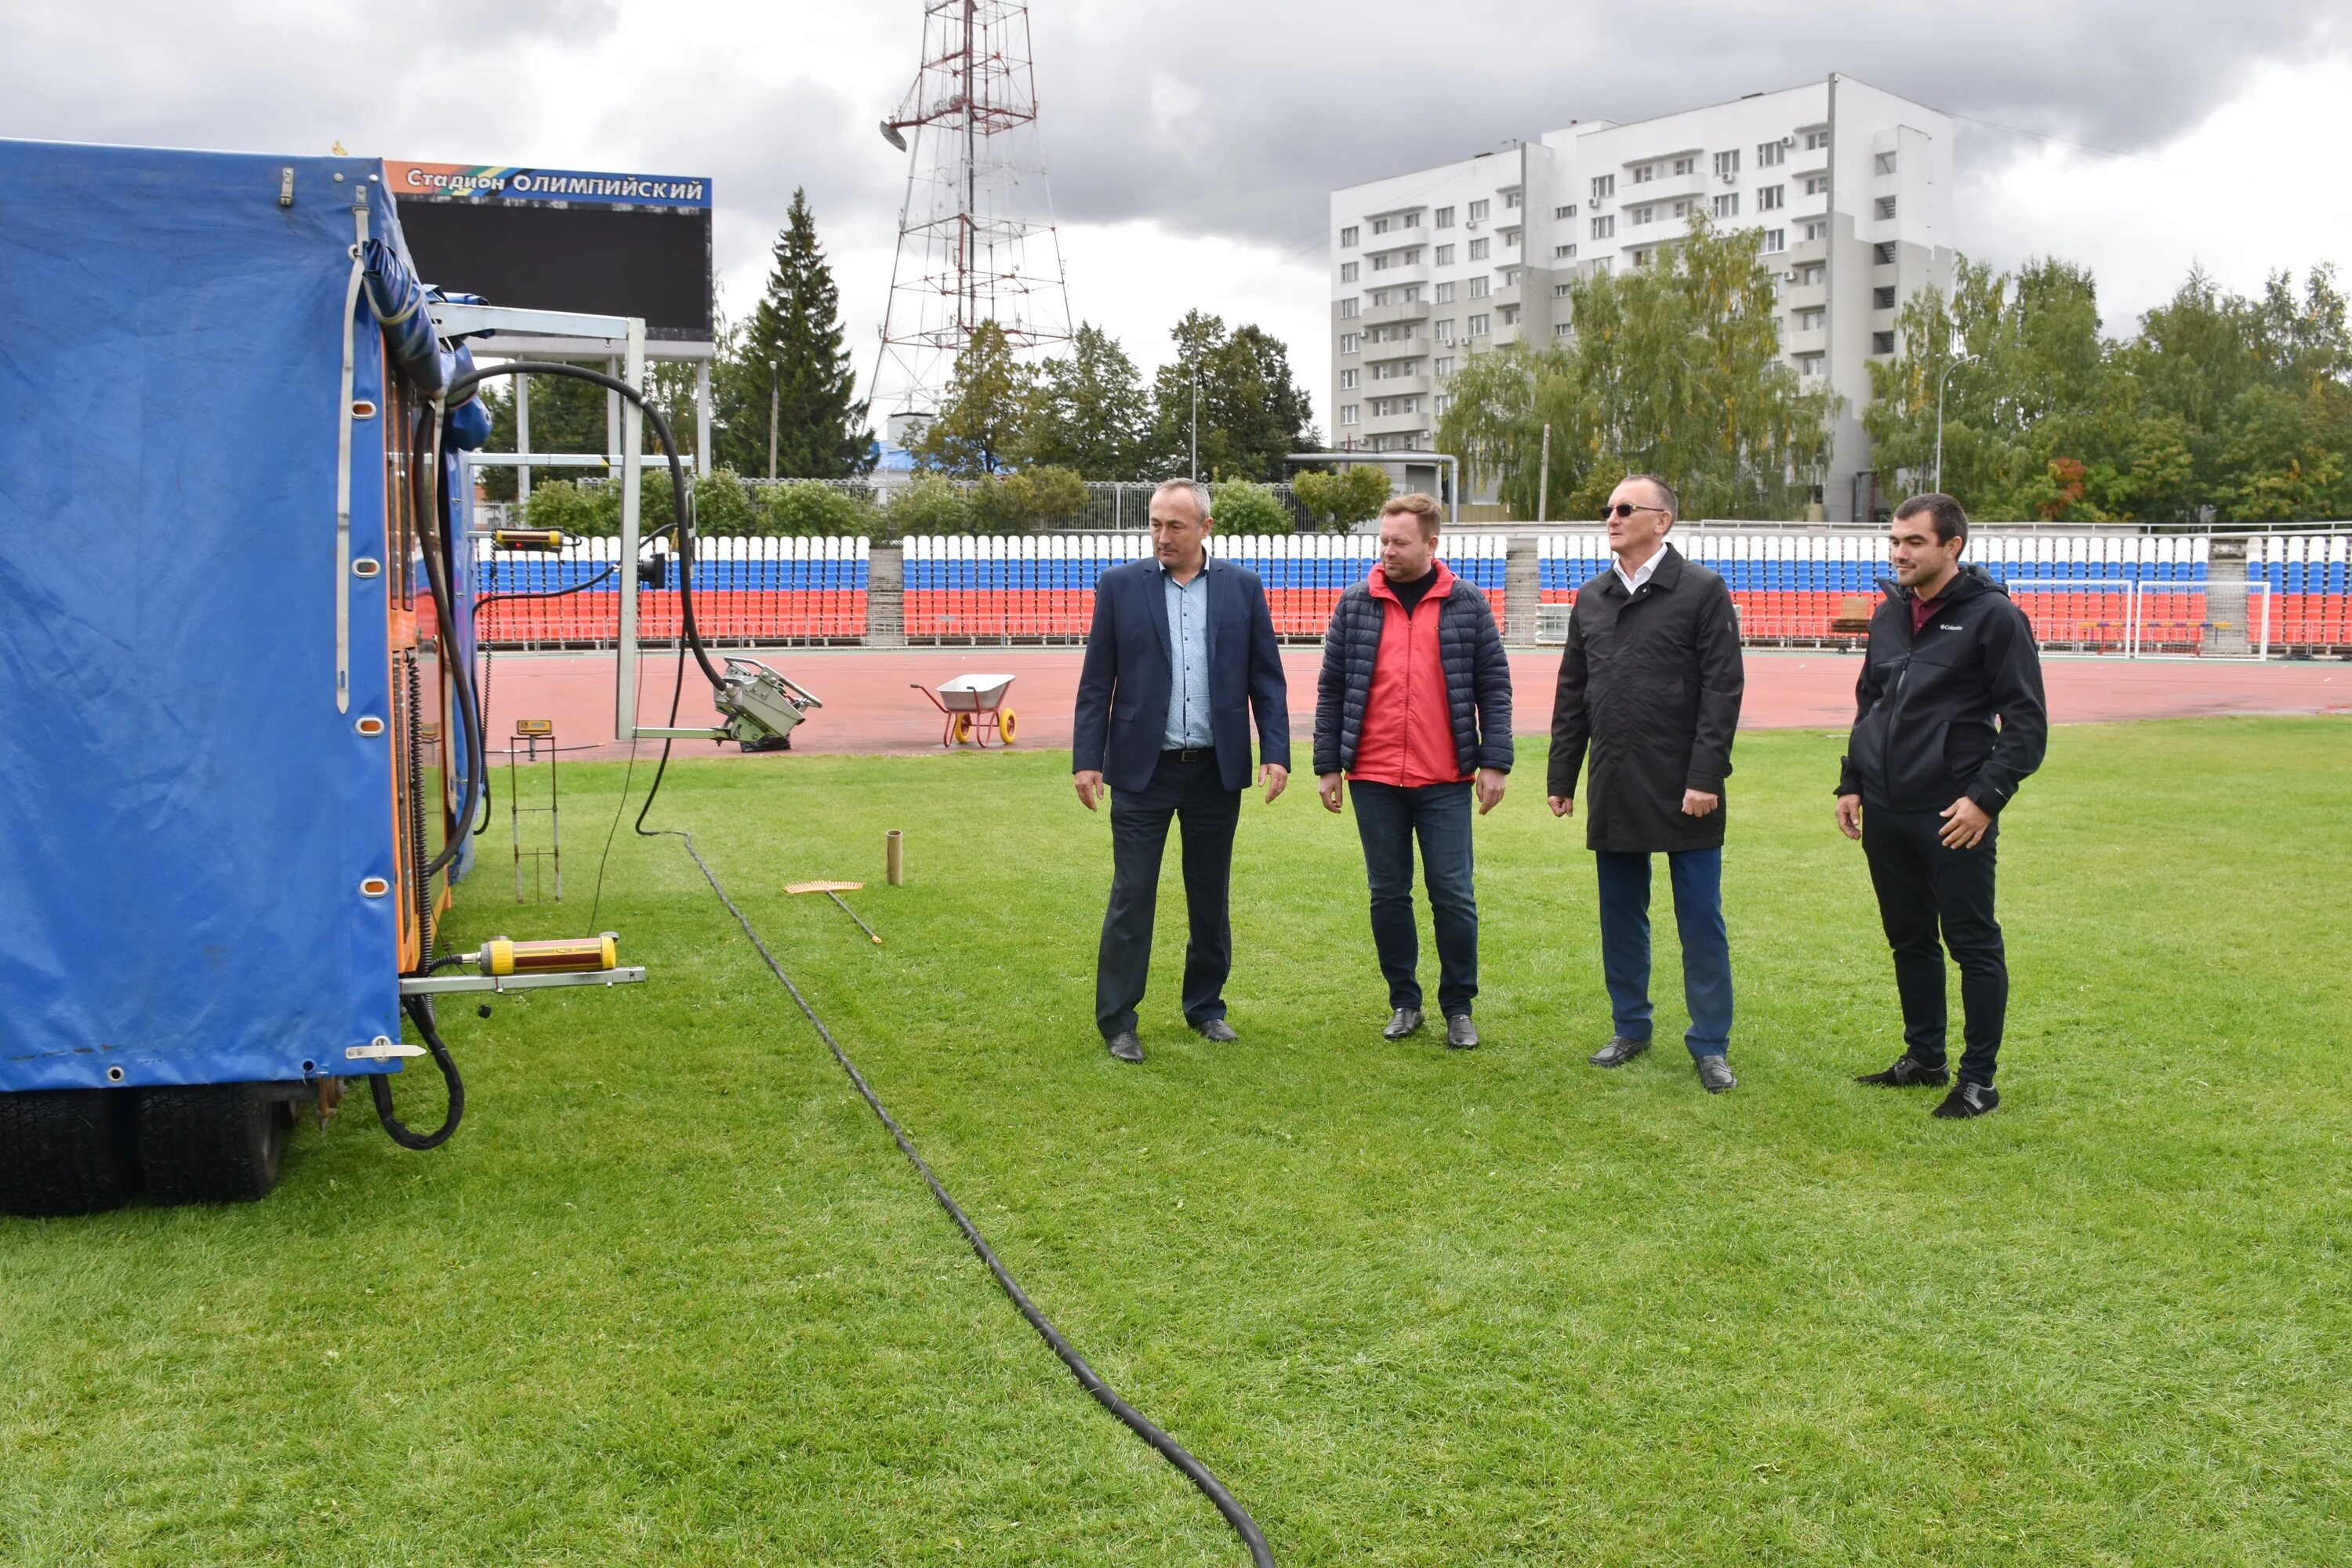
column 1422, row 509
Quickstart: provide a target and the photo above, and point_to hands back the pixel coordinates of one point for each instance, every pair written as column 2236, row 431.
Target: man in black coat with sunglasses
column 1651, row 682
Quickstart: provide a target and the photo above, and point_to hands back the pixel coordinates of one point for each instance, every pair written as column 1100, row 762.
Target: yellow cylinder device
column 526, row 538
column 501, row 956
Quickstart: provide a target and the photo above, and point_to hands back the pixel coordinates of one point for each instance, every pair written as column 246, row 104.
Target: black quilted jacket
column 1477, row 677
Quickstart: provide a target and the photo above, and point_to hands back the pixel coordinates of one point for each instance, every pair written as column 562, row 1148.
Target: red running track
column 869, row 707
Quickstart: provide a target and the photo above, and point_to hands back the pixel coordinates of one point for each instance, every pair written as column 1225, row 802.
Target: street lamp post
column 771, row 419
column 1941, row 377
column 1196, row 423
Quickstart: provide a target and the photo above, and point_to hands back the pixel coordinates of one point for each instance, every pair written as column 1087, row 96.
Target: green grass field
column 672, row 1297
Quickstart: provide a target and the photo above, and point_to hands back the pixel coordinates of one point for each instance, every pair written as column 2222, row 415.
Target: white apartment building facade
column 1850, row 187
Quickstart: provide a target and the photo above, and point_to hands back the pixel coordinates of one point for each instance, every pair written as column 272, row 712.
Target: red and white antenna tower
column 976, row 194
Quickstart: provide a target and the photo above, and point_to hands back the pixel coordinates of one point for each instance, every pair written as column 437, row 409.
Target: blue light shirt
column 1188, row 639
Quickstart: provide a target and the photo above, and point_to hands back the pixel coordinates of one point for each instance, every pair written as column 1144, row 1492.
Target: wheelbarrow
column 974, row 706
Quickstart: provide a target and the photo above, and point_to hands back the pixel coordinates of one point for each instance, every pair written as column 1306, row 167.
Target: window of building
column 1811, row 363
column 1511, row 276
column 1478, row 211
column 1682, row 209
column 1600, row 268
column 1641, row 256
column 1443, row 330
column 1559, row 290
column 1477, row 250
column 1510, row 237
column 1605, row 227
column 1443, row 218
column 1645, row 173
column 1727, row 164
column 1817, row 140
column 1349, row 414
column 1445, row 293
column 1379, row 226
column 1884, row 253
column 1444, row 256
column 1882, row 342
column 1776, row 240
column 1885, row 162
column 1348, row 309
column 1479, row 326
column 1347, row 238
column 1815, row 228
column 1478, row 287
column 1636, row 216
column 1348, row 379
column 1350, row 341
column 1603, row 187
column 1816, row 184
column 1882, row 297
column 1510, row 315
column 1770, row 154
column 1409, row 220
column 1441, row 404
column 1686, row 165
column 1886, row 206
column 1511, row 199
column 1562, row 328
column 1727, row 204
column 1560, row 215
column 1768, row 200
column 1443, row 366
column 1563, row 252
column 1347, row 272
column 1809, row 320
column 1812, row 273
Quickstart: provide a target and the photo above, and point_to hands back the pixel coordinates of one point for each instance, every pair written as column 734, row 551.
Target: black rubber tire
column 211, row 1143
column 67, row 1151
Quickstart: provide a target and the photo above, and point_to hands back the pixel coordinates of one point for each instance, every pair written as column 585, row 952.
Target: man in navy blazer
column 1180, row 652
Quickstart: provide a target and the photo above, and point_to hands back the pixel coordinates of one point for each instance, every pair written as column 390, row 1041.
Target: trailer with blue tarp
column 235, row 765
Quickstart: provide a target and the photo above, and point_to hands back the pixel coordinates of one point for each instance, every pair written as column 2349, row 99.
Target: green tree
column 1252, row 410
column 1086, row 410
column 821, row 426
column 1345, row 497
column 1240, row 506
column 979, row 429
column 566, row 415
column 1674, row 368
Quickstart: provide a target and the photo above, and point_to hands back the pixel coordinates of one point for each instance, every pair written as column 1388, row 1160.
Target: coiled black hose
column 420, row 1012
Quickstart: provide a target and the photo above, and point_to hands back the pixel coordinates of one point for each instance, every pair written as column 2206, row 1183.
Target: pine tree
column 820, row 425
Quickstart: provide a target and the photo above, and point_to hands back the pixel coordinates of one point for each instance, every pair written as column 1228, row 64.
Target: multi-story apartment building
column 1850, row 188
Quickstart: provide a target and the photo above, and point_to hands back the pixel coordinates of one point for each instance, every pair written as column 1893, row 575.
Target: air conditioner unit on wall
column 1732, row 178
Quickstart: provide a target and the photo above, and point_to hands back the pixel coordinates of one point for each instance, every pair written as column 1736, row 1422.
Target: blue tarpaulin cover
column 186, row 818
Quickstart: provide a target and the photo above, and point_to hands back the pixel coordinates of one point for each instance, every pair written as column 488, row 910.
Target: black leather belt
column 1189, row 754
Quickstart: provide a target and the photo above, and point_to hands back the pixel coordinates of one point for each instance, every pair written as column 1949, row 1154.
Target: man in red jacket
column 1414, row 705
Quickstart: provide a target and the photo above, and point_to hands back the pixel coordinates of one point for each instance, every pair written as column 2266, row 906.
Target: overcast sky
column 1191, row 147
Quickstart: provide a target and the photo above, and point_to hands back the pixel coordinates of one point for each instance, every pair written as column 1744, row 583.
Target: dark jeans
column 1192, row 793
column 1387, row 818
column 1922, row 885
column 1697, row 877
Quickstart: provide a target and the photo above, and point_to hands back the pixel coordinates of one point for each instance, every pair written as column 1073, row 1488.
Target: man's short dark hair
column 1950, row 521
column 1674, row 501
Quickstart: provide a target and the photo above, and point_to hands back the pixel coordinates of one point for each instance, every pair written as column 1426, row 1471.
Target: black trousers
column 1922, row 886
column 1192, row 793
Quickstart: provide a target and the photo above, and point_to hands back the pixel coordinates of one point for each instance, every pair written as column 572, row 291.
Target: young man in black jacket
column 1924, row 778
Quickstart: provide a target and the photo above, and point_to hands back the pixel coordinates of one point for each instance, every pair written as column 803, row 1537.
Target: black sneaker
column 1968, row 1099
column 1908, row 1072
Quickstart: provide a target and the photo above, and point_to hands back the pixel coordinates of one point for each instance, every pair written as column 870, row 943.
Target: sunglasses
column 1625, row 509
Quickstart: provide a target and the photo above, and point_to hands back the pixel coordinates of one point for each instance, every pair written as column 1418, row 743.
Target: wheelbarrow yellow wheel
column 962, row 728
column 1008, row 725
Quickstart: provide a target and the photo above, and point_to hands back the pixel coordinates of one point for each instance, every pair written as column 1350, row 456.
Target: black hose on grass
column 1136, row 1421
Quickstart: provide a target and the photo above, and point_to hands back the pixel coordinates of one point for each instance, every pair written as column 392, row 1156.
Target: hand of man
column 1090, row 786
column 1490, row 788
column 1850, row 815
column 1964, row 823
column 1331, row 787
column 1561, row 804
column 1698, row 803
column 1274, row 775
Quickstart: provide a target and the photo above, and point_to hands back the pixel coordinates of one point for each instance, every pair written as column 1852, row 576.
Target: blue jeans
column 1388, row 817
column 1697, row 877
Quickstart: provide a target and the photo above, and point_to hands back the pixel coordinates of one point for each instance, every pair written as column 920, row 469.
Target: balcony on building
column 1388, row 315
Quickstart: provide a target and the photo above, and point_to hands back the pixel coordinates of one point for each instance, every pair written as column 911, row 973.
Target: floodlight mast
column 976, row 195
